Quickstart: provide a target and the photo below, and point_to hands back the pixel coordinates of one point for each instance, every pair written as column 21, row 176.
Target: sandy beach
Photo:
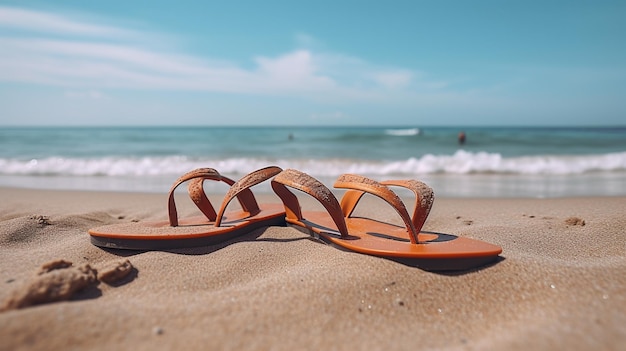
column 560, row 282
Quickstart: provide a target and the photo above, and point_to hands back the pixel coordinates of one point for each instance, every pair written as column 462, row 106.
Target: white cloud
column 12, row 17
column 294, row 70
column 96, row 58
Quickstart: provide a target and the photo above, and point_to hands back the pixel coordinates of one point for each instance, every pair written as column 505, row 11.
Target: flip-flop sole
column 436, row 251
column 192, row 232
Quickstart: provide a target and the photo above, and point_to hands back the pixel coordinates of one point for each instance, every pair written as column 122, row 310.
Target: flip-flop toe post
column 405, row 243
column 211, row 228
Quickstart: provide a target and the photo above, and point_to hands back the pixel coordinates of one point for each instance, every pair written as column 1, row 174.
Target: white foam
column 461, row 162
column 403, row 132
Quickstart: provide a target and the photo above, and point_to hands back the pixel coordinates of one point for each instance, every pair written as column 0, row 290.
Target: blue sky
column 409, row 63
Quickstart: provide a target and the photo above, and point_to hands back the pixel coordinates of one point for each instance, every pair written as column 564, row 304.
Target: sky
column 361, row 63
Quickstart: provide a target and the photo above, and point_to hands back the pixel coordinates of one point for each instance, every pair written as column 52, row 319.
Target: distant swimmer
column 290, row 137
column 461, row 138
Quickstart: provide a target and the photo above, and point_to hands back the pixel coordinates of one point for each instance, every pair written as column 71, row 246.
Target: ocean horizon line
column 323, row 126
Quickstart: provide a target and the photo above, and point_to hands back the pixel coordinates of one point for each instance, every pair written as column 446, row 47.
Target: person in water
column 461, row 138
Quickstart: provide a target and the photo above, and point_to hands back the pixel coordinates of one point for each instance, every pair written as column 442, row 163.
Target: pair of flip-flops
column 338, row 226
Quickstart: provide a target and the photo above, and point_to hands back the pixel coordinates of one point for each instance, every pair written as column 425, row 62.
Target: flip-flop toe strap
column 358, row 185
column 304, row 182
column 241, row 189
column 198, row 196
column 424, row 198
column 196, row 193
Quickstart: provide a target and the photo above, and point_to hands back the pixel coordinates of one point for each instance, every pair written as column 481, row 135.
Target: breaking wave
column 403, row 132
column 461, row 162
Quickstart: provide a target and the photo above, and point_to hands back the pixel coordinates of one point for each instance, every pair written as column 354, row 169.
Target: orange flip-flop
column 337, row 226
column 212, row 228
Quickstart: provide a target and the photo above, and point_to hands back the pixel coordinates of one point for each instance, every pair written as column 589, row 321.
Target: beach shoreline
column 558, row 285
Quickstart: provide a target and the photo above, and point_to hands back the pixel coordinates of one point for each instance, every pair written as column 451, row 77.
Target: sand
column 560, row 282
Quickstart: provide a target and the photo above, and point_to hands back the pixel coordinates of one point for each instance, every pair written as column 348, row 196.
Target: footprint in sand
column 575, row 221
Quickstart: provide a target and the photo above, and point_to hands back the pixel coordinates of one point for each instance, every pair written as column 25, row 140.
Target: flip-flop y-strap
column 242, row 187
column 197, row 194
column 304, row 182
column 358, row 185
column 424, row 198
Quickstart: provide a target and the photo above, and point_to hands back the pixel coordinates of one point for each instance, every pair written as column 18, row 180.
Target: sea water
column 493, row 162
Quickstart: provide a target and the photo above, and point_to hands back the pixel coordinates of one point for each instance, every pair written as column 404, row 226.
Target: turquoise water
column 493, row 162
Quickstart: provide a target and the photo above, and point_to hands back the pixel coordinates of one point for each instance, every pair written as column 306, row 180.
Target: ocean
column 493, row 162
